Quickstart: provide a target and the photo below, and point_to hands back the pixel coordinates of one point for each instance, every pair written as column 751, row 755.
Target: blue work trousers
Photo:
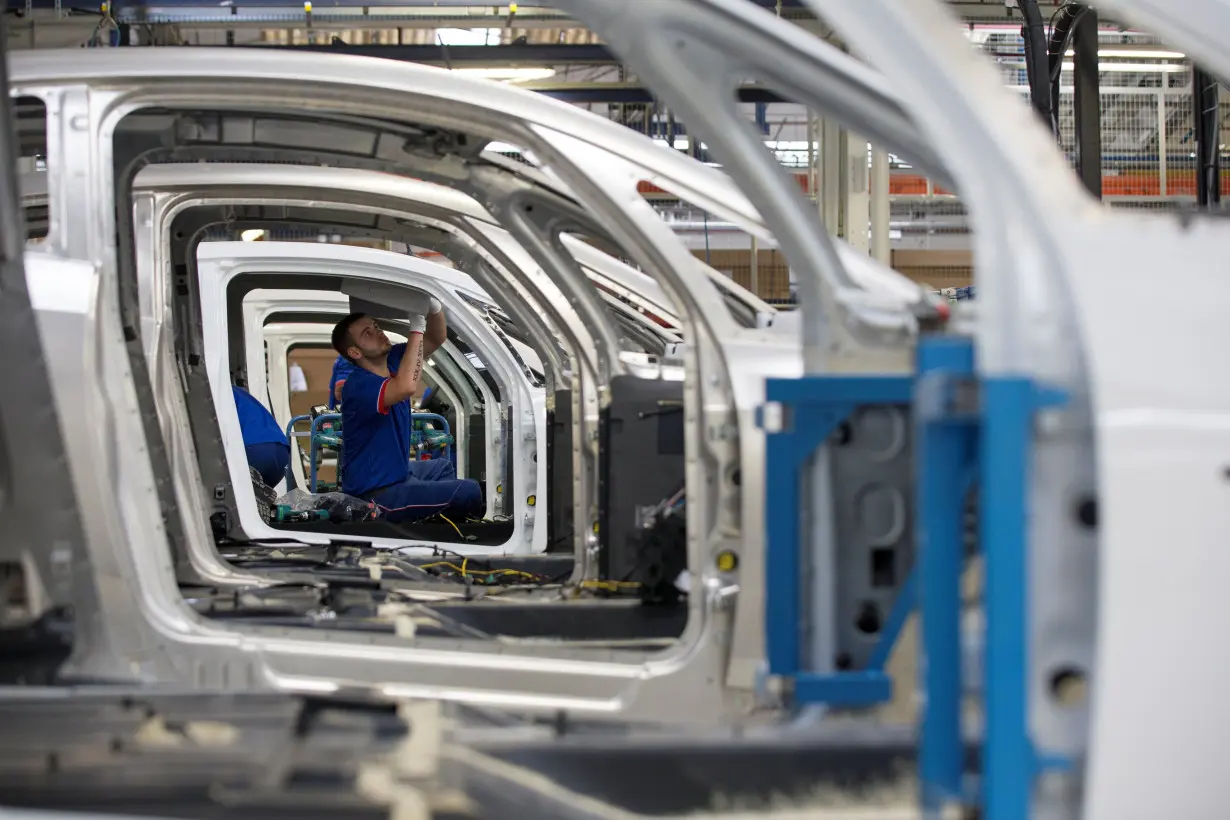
column 432, row 488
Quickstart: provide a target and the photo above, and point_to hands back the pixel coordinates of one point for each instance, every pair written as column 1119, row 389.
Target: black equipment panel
column 641, row 463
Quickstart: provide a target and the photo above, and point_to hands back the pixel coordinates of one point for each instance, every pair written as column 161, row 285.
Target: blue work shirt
column 376, row 439
column 258, row 424
column 342, row 368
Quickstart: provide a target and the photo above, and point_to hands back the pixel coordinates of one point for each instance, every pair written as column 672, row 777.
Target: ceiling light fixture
column 1116, row 68
column 1136, row 53
column 1136, row 68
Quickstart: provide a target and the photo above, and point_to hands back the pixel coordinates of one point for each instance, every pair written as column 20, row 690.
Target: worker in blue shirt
column 264, row 442
column 342, row 368
column 376, row 421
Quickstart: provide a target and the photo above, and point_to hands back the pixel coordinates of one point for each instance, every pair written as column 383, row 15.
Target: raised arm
column 436, row 332
column 406, row 381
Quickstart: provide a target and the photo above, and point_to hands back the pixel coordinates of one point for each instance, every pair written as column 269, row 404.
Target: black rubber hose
column 1036, row 64
column 1062, row 25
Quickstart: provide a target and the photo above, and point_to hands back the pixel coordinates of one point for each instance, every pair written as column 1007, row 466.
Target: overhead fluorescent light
column 1138, row 53
column 1115, row 68
column 253, row 235
column 1136, row 68
column 509, row 74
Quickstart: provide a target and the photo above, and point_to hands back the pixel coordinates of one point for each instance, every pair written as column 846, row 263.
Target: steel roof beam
column 509, row 55
column 632, row 93
column 986, row 9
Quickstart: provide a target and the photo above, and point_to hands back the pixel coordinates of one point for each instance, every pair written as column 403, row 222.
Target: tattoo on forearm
column 418, row 365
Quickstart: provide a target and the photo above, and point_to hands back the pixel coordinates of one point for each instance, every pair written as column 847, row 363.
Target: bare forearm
column 405, row 382
column 436, row 333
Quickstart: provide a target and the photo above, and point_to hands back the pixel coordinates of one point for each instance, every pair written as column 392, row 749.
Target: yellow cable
column 518, row 572
column 448, row 564
column 609, row 586
column 454, row 526
column 463, row 569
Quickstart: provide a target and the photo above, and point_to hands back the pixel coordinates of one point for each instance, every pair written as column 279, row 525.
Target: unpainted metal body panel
column 221, row 262
column 695, row 53
column 185, row 648
column 1162, row 432
column 269, row 384
column 687, row 677
column 614, row 274
column 192, row 182
column 1063, row 283
column 601, row 162
column 261, row 304
column 156, row 211
column 263, row 370
column 600, row 267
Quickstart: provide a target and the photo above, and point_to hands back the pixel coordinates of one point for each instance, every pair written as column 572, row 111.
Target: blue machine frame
column 811, row 409
column 448, row 431
column 313, row 455
column 970, row 433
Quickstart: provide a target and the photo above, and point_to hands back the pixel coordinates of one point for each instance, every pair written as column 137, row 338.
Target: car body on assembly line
column 597, row 160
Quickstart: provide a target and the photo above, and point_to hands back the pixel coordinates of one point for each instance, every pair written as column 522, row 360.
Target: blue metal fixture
column 970, row 432
column 291, row 435
column 315, row 442
column 975, row 432
column 947, row 422
column 1010, row 762
column 443, row 422
column 313, row 456
column 811, row 408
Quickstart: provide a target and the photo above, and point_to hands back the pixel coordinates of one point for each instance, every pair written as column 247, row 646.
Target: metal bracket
column 947, row 424
column 446, row 157
column 538, row 220
column 811, row 410
column 971, row 432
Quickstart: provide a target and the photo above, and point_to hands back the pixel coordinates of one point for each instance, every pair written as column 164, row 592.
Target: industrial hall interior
column 614, row 410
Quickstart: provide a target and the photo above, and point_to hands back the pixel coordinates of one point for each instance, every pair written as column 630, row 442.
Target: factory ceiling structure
column 540, row 48
column 536, row 45
column 50, row 23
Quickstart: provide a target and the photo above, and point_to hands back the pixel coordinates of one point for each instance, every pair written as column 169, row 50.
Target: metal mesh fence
column 1148, row 150
column 1148, row 153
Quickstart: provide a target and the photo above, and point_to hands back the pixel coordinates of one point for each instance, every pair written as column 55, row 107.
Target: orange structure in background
column 934, row 268
column 1121, row 184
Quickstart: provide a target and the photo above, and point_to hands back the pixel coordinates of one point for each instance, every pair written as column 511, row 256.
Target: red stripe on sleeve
column 380, row 405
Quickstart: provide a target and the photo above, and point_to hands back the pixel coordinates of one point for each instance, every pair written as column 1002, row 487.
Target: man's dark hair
column 342, row 340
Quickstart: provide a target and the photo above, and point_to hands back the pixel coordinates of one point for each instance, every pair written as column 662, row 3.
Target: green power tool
column 287, row 514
